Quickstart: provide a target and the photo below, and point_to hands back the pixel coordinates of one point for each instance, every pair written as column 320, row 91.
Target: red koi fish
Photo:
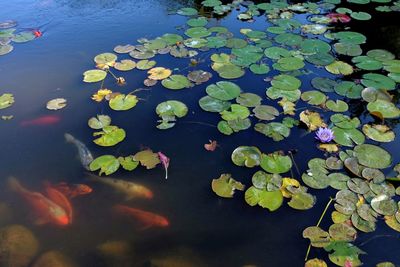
column 41, row 121
column 73, row 190
column 59, row 198
column 45, row 210
column 148, row 219
column 37, row 33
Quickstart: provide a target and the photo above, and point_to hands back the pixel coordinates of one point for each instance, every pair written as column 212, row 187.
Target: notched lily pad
column 225, row 186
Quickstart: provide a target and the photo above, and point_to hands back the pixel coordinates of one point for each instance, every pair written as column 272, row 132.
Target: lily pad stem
column 115, row 77
column 318, row 223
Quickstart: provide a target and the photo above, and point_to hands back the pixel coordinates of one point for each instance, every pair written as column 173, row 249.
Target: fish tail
column 120, row 208
column 15, row 185
column 69, row 138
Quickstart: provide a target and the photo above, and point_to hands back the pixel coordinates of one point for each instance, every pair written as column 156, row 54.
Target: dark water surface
column 204, row 230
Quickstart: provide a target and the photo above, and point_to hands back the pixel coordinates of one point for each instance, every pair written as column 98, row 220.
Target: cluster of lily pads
column 286, row 50
column 10, row 34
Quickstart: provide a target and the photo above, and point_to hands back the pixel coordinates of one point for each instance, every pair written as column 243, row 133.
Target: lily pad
column 99, row 122
column 339, row 67
column 212, row 104
column 147, row 158
column 125, row 65
column 384, row 109
column 128, row 163
column 92, row 76
column 123, row 102
column 276, row 163
column 176, row 82
column 109, row 136
column 236, row 112
column 6, row 100
column 249, row 156
column 249, row 99
column 107, row 164
column 223, row 90
column 225, row 186
column 372, row 156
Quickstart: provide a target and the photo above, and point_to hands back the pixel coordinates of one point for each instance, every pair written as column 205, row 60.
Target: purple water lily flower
column 325, row 135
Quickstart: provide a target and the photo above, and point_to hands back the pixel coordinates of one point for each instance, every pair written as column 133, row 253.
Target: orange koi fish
column 148, row 219
column 59, row 198
column 73, row 190
column 37, row 33
column 45, row 210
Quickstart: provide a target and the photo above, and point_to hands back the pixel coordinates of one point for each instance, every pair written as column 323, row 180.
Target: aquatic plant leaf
column 6, row 100
column 392, row 222
column 342, row 232
column 197, row 22
column 265, row 112
column 125, row 65
column 286, row 184
column 225, row 186
column 143, row 53
column 367, row 63
column 312, row 119
column 339, row 67
column 199, row 76
column 110, row 136
column 275, row 130
column 128, row 163
column 291, row 95
column 23, row 37
column 314, row 46
column 271, row 200
column 249, row 156
column 236, row 43
column 313, row 97
column 318, row 237
column 323, row 84
column 338, row 106
column 224, row 128
column 159, row 73
column 384, row 205
column 197, row 32
column 348, row 49
column 176, row 82
column 106, row 59
column 172, row 108
column 92, row 76
column 349, row 89
column 147, row 158
column 315, row 263
column 187, row 11
column 350, row 37
column 380, row 55
column 302, row 201
column 239, row 124
column 338, row 217
column 259, row 68
column 347, row 137
column 192, row 43
column 145, row 64
column 212, row 104
column 276, row 163
column 372, row 156
column 289, row 64
column 124, row 49
column 383, row 108
column 276, row 52
column 342, row 252
column 5, row 49
column 101, row 94
column 236, row 112
column 123, row 102
column 99, row 122
column 289, row 107
column 378, row 81
column 107, row 164
column 249, row 100
column 223, row 90
column 378, row 132
column 286, row 82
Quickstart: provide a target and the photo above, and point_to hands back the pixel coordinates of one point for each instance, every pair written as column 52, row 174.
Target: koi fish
column 45, row 210
column 148, row 219
column 59, row 198
column 129, row 189
column 73, row 190
column 41, row 121
column 84, row 153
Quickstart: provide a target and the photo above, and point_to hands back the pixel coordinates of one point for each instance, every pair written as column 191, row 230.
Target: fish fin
column 14, row 184
column 145, row 227
column 40, row 221
column 69, row 138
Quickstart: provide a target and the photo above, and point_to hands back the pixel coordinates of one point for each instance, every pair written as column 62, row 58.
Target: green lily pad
column 367, row 63
column 265, row 112
column 248, row 156
column 349, row 89
column 348, row 49
column 225, row 185
column 313, row 97
column 223, row 90
column 378, row 81
column 99, row 122
column 379, row 133
column 339, row 67
column 125, row 65
column 6, row 100
column 197, row 32
column 338, row 106
column 276, row 52
column 372, row 156
column 197, row 22
column 92, row 76
column 5, row 49
column 276, row 163
column 176, row 82
column 109, row 136
column 249, row 99
column 350, row 37
column 123, row 102
column 259, row 68
column 380, row 55
column 360, row 15
column 187, row 11
column 172, row 108
column 289, row 64
column 236, row 112
column 23, row 37
column 275, row 130
column 318, row 237
column 286, row 82
column 107, row 164
column 344, row 252
column 271, row 200
column 323, row 84
column 347, row 137
column 128, row 163
column 302, row 201
column 212, row 104
column 384, row 108
column 342, row 232
column 145, row 64
column 384, row 205
column 224, row 128
column 105, row 58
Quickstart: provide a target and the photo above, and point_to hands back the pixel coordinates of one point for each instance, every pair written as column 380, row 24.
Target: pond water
column 204, row 229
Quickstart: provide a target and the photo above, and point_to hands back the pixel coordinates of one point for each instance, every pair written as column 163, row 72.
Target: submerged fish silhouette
column 84, row 153
column 41, row 121
column 44, row 209
column 129, row 189
column 59, row 198
column 148, row 219
column 73, row 190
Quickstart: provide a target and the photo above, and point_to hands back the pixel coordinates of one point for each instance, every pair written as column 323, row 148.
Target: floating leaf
column 128, row 163
column 236, row 112
column 372, row 156
column 248, row 156
column 92, row 76
column 315, row 263
column 147, row 158
column 125, row 65
column 56, row 104
column 379, row 133
column 344, row 252
column 275, row 130
column 339, row 67
column 265, row 112
column 6, row 100
column 313, row 97
column 100, row 122
column 212, row 104
column 276, row 163
column 145, row 64
column 123, row 102
column 378, row 81
column 384, row 205
column 384, row 109
column 223, row 90
column 109, row 136
column 225, row 186
column 159, row 73
column 338, row 106
column 302, row 201
column 106, row 59
column 312, row 119
column 176, row 82
column 271, row 200
column 249, row 99
column 318, row 237
column 107, row 164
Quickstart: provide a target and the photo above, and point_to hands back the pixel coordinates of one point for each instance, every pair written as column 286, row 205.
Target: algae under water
column 204, row 229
